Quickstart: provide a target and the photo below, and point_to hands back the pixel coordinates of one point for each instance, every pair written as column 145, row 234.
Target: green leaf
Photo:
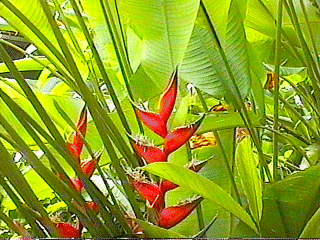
column 312, row 229
column 290, row 203
column 236, row 49
column 218, row 11
column 202, row 64
column 152, row 231
column 202, row 186
column 225, row 121
column 26, row 64
column 248, row 173
column 32, row 10
column 165, row 27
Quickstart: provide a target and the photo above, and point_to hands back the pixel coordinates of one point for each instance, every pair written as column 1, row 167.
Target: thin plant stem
column 301, row 118
column 314, row 45
column 276, row 175
column 123, row 59
column 101, row 66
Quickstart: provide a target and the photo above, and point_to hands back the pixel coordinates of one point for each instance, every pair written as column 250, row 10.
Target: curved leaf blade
column 165, row 28
column 202, row 186
column 248, row 172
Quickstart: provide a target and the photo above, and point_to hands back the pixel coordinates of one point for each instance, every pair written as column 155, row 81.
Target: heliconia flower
column 90, row 166
column 67, row 230
column 153, row 121
column 157, row 122
column 149, row 192
column 180, row 136
column 171, row 216
column 77, row 144
column 77, row 184
column 149, row 153
column 166, row 185
column 168, row 99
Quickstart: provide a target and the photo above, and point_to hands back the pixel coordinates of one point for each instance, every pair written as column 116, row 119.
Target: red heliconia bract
column 166, row 186
column 168, row 99
column 77, row 184
column 67, row 230
column 153, row 121
column 90, row 166
column 150, row 153
column 149, row 192
column 77, row 145
column 171, row 216
column 180, row 136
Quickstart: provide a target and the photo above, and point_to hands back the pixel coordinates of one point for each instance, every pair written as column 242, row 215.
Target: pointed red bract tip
column 67, row 230
column 168, row 99
column 82, row 128
column 180, row 136
column 150, row 153
column 166, row 186
column 75, row 150
column 77, row 184
column 149, row 192
column 171, row 216
column 153, row 121
column 90, row 166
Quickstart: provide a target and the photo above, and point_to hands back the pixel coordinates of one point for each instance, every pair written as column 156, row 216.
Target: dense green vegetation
column 160, row 118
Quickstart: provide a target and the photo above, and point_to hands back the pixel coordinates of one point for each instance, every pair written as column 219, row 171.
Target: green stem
column 276, row 175
column 35, row 229
column 123, row 59
column 202, row 100
column 314, row 45
column 301, row 118
column 101, row 66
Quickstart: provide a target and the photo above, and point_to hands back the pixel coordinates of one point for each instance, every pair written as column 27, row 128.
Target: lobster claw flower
column 90, row 166
column 157, row 122
column 171, row 216
column 77, row 144
column 153, row 121
column 77, row 184
column 150, row 192
column 180, row 136
column 67, row 230
column 149, row 153
column 168, row 99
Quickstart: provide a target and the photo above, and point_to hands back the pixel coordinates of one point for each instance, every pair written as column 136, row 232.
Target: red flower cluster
column 154, row 194
column 87, row 167
column 67, row 230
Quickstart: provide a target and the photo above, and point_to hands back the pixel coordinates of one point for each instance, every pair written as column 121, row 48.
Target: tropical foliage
column 160, row 119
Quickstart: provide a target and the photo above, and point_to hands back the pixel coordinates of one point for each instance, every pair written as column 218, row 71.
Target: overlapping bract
column 67, row 230
column 76, row 146
column 173, row 140
column 171, row 216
